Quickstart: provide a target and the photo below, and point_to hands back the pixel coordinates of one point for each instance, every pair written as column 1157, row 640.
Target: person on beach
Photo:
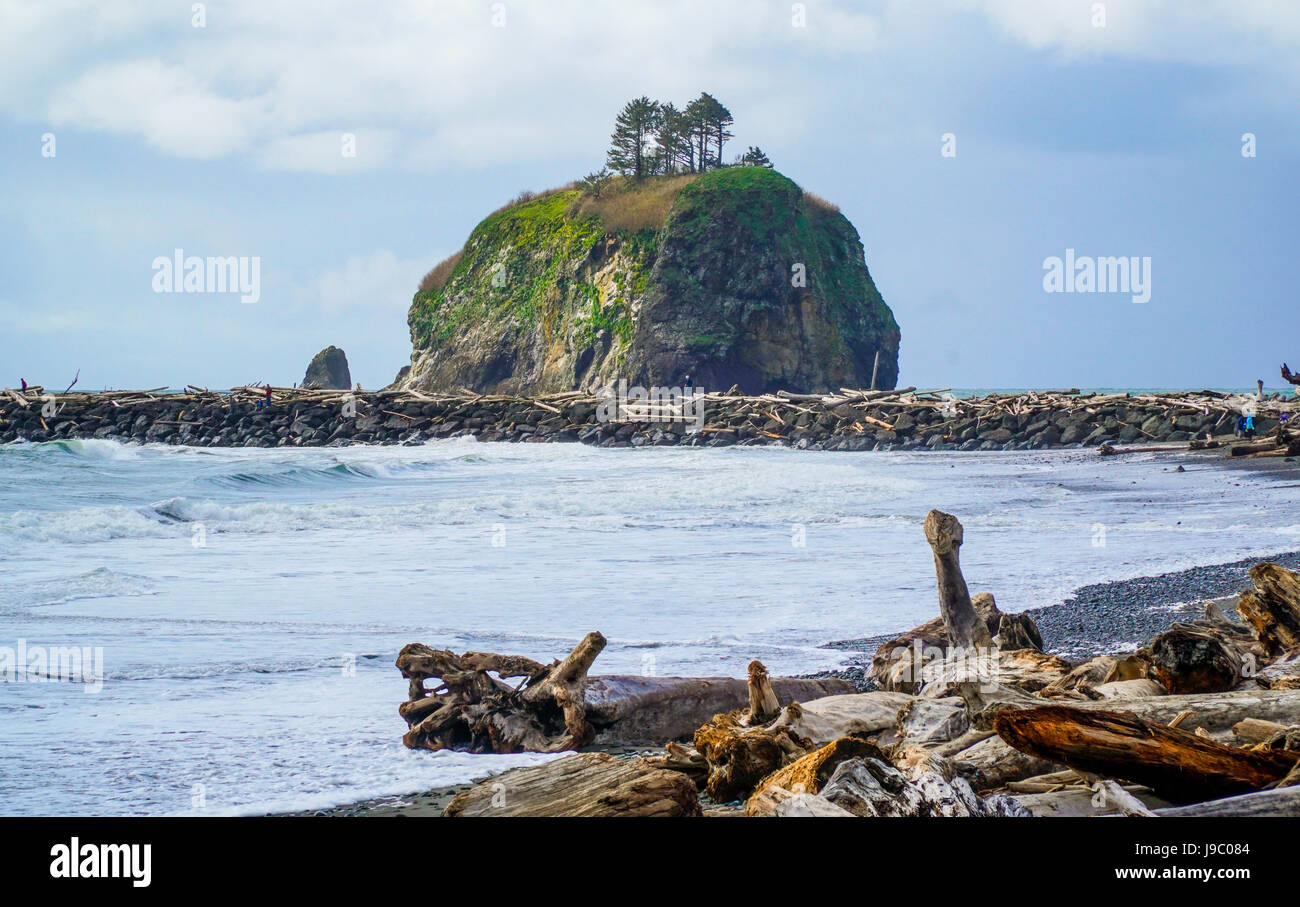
column 1249, row 426
column 24, row 381
column 1241, row 426
column 268, row 395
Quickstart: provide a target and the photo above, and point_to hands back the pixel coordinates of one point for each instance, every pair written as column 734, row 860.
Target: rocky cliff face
column 731, row 277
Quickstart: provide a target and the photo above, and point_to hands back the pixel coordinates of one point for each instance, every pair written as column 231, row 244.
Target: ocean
column 248, row 604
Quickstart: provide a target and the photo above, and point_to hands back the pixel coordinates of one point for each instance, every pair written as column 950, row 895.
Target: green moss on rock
column 547, row 297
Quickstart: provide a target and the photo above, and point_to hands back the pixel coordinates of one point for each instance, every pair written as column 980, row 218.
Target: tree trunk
column 1176, row 764
column 1215, row 712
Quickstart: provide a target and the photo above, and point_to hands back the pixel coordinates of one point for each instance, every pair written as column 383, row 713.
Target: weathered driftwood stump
column 1190, row 659
column 1018, row 631
column 965, row 628
column 959, row 645
column 735, row 750
column 1273, row 607
column 739, row 748
column 897, row 664
column 475, row 711
column 763, row 704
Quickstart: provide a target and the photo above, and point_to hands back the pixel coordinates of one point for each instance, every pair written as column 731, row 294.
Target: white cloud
column 427, row 84
column 431, row 83
column 166, row 105
column 1164, row 30
column 378, row 281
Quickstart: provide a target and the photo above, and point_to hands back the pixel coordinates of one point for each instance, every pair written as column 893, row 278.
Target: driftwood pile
column 561, row 706
column 845, row 420
column 972, row 718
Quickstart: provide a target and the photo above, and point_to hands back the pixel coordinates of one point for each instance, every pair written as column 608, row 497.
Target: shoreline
column 1126, row 610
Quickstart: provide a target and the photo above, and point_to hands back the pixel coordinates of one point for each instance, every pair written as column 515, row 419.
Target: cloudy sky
column 1114, row 129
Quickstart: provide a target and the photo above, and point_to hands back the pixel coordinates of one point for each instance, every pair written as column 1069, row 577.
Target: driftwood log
column 1284, row 801
column 1079, row 801
column 475, row 711
column 633, row 710
column 588, row 784
column 1179, row 765
column 1215, row 713
column 562, row 707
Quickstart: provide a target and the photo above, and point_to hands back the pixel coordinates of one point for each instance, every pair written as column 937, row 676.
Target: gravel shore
column 1110, row 617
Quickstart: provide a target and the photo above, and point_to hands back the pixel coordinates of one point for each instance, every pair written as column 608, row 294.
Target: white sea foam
column 79, row 526
column 101, row 582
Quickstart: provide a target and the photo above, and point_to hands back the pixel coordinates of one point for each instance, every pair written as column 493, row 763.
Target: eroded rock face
column 329, row 370
column 745, row 281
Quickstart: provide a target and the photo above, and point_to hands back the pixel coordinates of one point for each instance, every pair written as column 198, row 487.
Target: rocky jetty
column 847, row 420
column 328, row 370
column 731, row 277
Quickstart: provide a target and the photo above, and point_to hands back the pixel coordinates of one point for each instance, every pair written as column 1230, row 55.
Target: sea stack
column 733, row 277
column 329, row 370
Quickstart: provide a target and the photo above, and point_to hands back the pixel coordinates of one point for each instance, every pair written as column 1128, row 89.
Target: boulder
column 329, row 370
